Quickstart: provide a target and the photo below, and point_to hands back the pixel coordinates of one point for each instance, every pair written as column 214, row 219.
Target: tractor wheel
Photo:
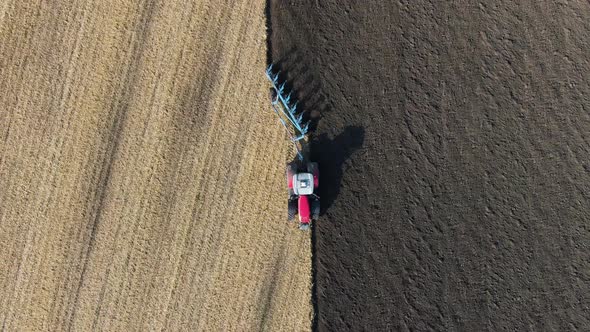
column 291, row 170
column 291, row 209
column 313, row 168
column 315, row 210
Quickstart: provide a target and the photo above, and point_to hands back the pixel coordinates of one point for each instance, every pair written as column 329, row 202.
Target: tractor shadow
column 331, row 154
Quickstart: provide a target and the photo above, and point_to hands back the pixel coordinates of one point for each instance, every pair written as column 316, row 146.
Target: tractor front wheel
column 315, row 209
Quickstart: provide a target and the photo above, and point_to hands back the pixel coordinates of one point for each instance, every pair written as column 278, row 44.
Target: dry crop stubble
column 142, row 182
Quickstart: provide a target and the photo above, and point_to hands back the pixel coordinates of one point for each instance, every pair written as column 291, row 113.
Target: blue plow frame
column 282, row 106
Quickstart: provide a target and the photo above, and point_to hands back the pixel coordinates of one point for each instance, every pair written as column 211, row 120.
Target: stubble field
column 141, row 172
column 141, row 186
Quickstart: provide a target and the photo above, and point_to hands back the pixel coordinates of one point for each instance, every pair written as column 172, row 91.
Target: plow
column 302, row 175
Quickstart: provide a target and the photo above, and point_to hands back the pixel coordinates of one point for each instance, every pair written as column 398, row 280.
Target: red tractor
column 302, row 183
column 303, row 177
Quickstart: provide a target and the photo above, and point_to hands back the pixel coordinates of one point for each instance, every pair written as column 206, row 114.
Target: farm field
column 141, row 182
column 454, row 144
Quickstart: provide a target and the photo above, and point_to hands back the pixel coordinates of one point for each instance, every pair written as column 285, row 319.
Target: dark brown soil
column 454, row 145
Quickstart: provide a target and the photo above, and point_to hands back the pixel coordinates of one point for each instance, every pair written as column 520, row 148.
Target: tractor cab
column 303, row 184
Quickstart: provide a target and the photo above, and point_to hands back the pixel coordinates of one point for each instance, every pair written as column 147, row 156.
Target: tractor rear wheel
column 312, row 167
column 291, row 209
column 291, row 170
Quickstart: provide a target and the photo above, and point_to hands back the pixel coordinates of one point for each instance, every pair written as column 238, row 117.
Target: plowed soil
column 141, row 182
column 453, row 140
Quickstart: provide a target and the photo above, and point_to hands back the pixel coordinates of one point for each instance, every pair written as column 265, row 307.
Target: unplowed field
column 141, row 182
column 454, row 145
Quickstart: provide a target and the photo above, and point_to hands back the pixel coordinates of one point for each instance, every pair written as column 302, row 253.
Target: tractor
column 302, row 175
column 302, row 184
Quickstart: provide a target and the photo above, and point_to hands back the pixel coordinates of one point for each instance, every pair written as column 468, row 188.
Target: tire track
column 119, row 106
